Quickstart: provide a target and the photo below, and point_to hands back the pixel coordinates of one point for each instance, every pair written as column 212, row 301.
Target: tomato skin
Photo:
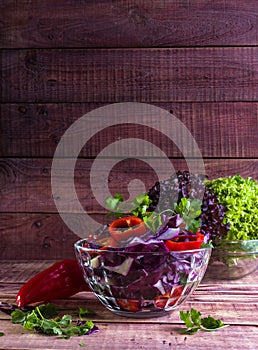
column 129, row 304
column 132, row 226
column 161, row 300
column 195, row 242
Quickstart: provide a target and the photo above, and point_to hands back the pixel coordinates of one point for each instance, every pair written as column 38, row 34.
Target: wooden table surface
column 235, row 302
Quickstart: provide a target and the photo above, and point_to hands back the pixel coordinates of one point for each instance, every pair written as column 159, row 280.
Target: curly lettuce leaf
column 240, row 197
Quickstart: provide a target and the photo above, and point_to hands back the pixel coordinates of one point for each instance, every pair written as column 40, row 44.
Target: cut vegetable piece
column 126, row 227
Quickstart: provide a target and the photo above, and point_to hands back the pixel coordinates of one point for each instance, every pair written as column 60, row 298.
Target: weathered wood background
column 62, row 59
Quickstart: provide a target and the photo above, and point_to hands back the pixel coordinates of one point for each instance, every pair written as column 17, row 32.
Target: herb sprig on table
column 195, row 322
column 45, row 319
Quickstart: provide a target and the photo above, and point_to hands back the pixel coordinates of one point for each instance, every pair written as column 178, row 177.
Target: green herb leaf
column 40, row 319
column 141, row 204
column 211, row 324
column 1, row 334
column 114, row 205
column 194, row 322
column 190, row 211
column 48, row 310
column 84, row 312
column 186, row 317
column 18, row 316
column 207, row 245
column 82, row 344
column 137, row 207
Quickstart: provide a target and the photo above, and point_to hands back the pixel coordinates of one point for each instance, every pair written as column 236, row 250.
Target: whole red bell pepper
column 61, row 280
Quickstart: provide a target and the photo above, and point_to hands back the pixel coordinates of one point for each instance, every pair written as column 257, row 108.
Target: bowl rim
column 227, row 247
column 77, row 245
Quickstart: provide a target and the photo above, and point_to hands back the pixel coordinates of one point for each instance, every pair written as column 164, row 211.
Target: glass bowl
column 233, row 259
column 137, row 282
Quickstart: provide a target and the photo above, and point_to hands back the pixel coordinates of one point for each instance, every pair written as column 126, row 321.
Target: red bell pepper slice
column 129, row 304
column 123, row 228
column 163, row 300
column 61, row 280
column 188, row 242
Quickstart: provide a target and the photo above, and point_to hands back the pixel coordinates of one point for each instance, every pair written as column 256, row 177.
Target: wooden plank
column 239, row 313
column 128, row 23
column 134, row 336
column 234, row 312
column 30, row 180
column 36, row 236
column 34, row 130
column 108, row 75
column 19, row 271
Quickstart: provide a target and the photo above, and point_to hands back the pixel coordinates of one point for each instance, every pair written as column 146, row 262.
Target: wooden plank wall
column 62, row 59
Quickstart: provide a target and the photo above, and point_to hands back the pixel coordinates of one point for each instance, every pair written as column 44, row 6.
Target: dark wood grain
column 26, row 183
column 156, row 75
column 220, row 129
column 127, row 23
column 62, row 59
column 31, row 228
column 35, row 236
column 143, row 336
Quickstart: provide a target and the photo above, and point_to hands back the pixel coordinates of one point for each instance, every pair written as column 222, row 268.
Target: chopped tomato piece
column 162, row 301
column 123, row 228
column 129, row 304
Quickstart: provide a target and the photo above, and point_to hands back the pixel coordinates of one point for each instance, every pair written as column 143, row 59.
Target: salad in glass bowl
column 229, row 218
column 235, row 233
column 147, row 262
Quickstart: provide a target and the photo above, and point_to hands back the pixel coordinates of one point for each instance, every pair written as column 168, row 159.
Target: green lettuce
column 240, row 197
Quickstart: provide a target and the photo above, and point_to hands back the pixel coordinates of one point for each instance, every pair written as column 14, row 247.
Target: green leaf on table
column 84, row 312
column 18, row 316
column 48, row 310
column 195, row 322
column 41, row 320
column 211, row 324
column 186, row 317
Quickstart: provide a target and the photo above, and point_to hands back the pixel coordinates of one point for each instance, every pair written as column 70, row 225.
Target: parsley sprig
column 42, row 320
column 137, row 207
column 190, row 211
column 195, row 322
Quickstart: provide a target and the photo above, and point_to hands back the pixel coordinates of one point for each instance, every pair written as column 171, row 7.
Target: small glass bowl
column 233, row 259
column 141, row 283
